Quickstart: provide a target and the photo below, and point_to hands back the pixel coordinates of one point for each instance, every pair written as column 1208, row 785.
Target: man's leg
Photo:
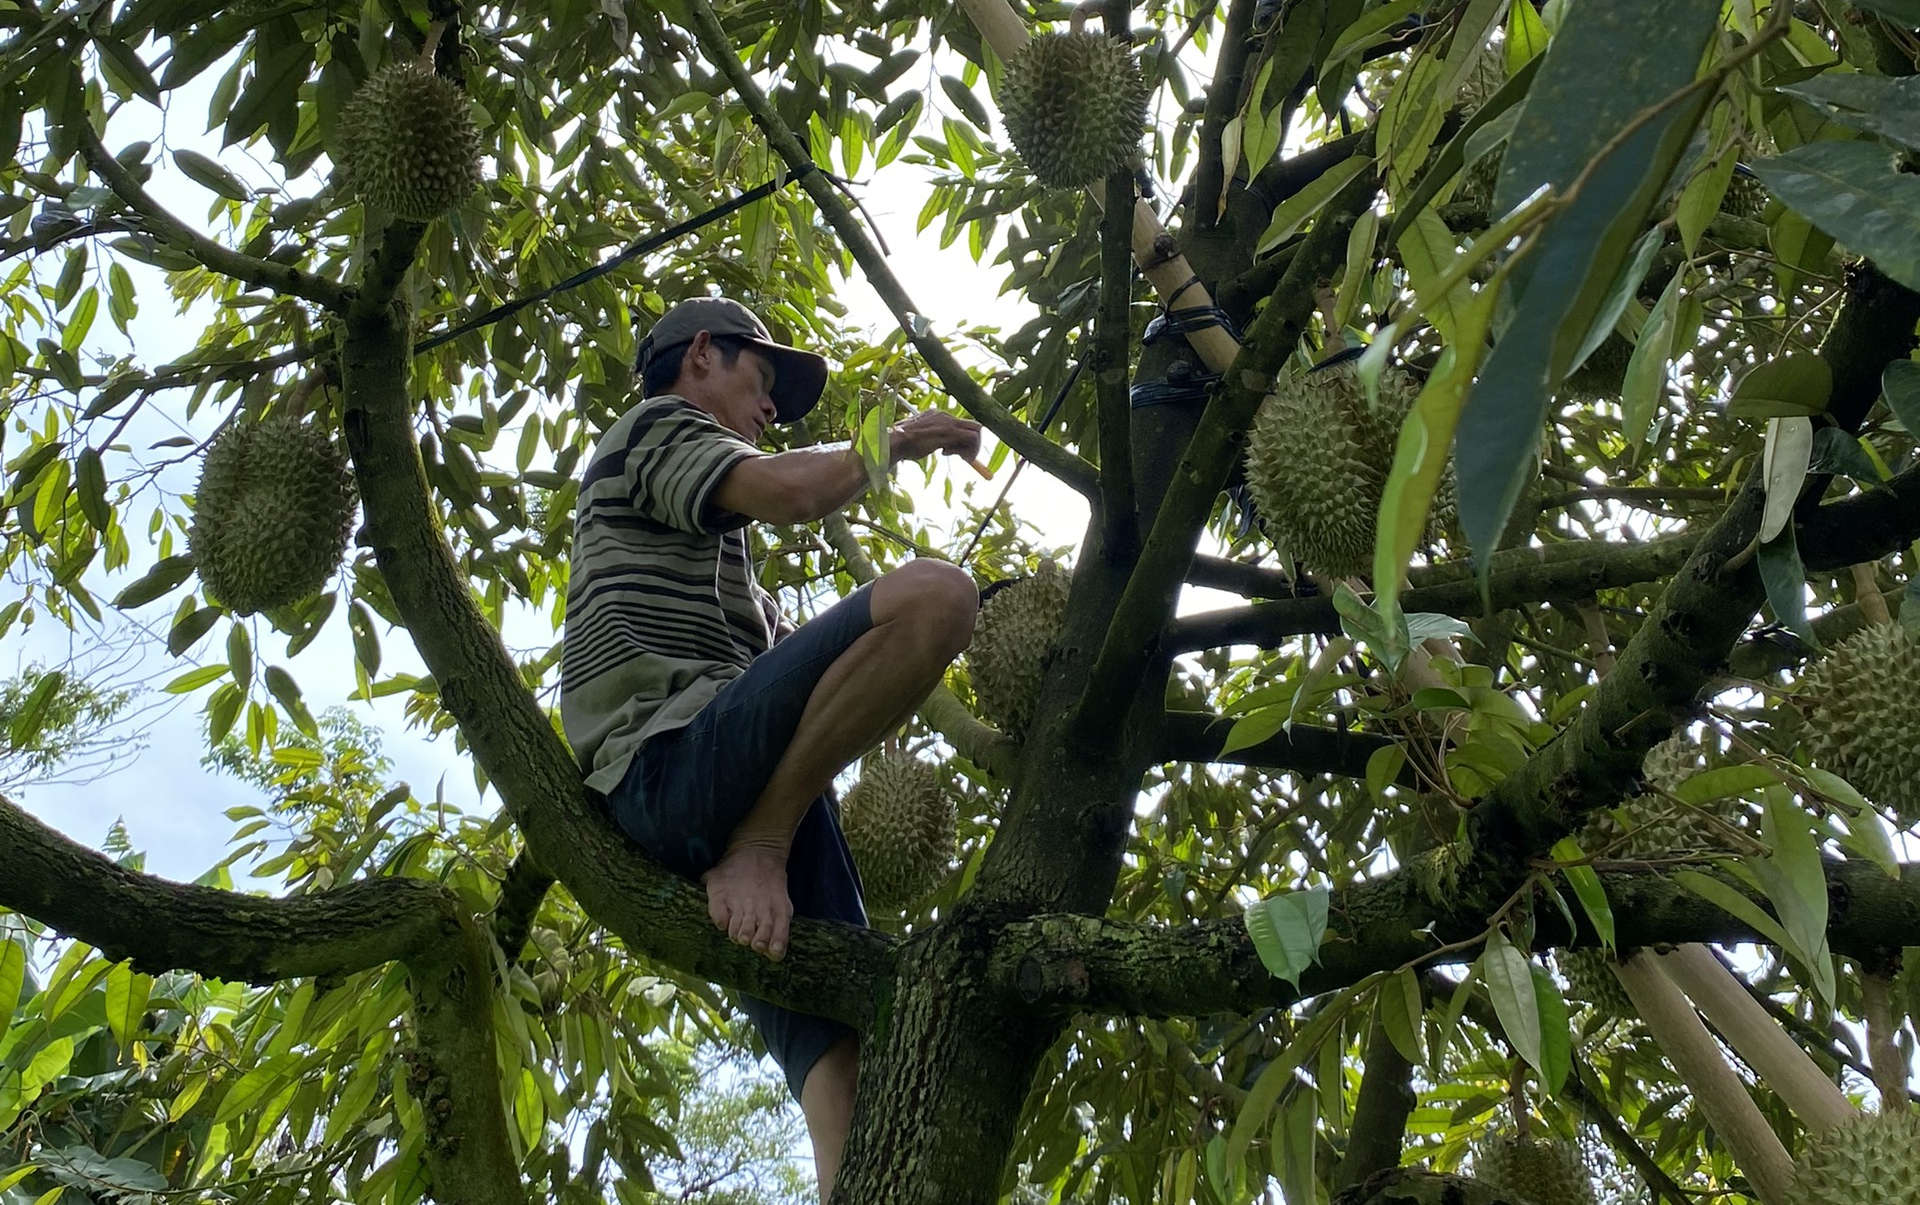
column 827, row 1102
column 923, row 615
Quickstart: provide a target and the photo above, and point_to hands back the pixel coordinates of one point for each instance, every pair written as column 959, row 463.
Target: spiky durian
column 271, row 514
column 410, row 145
column 899, row 820
column 1016, row 629
column 1543, row 1171
column 1873, row 1159
column 1603, row 373
column 1075, row 106
column 1863, row 716
column 1318, row 459
column 1590, row 978
column 1654, row 825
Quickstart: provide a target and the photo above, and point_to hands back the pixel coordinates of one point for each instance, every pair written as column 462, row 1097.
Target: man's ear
column 697, row 352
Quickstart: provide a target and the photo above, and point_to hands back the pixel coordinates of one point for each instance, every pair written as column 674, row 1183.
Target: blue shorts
column 687, row 790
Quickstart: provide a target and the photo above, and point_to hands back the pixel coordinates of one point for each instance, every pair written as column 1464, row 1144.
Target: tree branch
column 1238, row 577
column 522, row 892
column 1573, row 569
column 1386, row 1101
column 1196, row 736
column 1134, row 637
column 1223, row 101
column 973, row 398
column 163, row 925
column 1112, row 967
column 1864, row 527
column 248, row 269
column 1113, row 335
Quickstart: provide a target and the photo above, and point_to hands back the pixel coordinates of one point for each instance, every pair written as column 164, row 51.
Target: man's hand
column 934, row 431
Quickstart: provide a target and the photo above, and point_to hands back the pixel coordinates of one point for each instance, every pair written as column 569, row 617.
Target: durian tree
column 1539, row 375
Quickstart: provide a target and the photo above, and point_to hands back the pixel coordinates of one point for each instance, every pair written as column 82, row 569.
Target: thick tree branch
column 248, row 269
column 1238, row 577
column 1134, row 638
column 163, row 925
column 830, row 969
column 455, row 1071
column 1197, row 736
column 1864, row 527
column 1035, row 447
column 522, row 892
column 1114, row 967
column 1574, row 569
column 1113, row 336
column 1223, row 101
column 1380, row 1114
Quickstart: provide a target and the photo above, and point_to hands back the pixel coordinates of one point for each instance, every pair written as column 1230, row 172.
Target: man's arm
column 811, row 483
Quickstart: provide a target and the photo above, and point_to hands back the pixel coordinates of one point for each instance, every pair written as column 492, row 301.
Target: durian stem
column 1889, row 1068
column 1866, row 588
column 1774, row 1056
column 1722, row 1097
column 1158, row 255
column 432, row 46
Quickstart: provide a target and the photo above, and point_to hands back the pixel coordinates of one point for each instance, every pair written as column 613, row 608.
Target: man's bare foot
column 747, row 898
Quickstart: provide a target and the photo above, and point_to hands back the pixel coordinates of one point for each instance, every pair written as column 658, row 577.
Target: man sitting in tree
column 712, row 727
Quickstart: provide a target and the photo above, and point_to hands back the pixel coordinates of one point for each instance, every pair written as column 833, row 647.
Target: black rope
column 1186, row 321
column 1180, row 386
column 634, row 250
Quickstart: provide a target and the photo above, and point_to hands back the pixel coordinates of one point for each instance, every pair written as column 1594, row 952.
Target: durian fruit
column 1317, row 463
column 1654, row 826
column 271, row 514
column 1590, row 979
column 1602, row 374
column 411, row 146
column 1873, row 1159
column 900, row 820
column 1542, row 1171
column 1075, row 106
column 1863, row 716
column 1010, row 642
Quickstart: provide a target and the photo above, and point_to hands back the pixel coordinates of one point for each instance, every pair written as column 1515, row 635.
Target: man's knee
column 934, row 595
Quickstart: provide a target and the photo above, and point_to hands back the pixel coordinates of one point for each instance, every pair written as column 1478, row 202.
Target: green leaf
column 208, row 174
column 1556, row 1032
column 1294, row 212
column 1735, row 904
column 1885, row 105
column 1866, row 833
column 223, row 707
column 1401, row 1008
column 1257, row 1109
column 250, row 1089
column 90, row 478
column 1852, row 191
column 1287, row 929
column 1645, row 383
column 1724, row 782
column 362, row 1084
column 286, row 692
column 1453, row 157
column 1901, row 385
column 1796, row 883
column 125, row 68
column 127, row 993
column 1526, row 36
column 1786, row 582
column 240, row 655
column 1509, row 979
column 1788, row 452
column 13, row 973
column 366, row 640
column 1383, row 769
column 27, row 724
column 189, row 628
column 1906, row 12
column 964, row 99
column 1578, row 125
column 1797, row 385
column 1587, row 888
column 9, row 1179
column 1798, row 247
column 161, row 579
column 274, row 87
column 194, row 679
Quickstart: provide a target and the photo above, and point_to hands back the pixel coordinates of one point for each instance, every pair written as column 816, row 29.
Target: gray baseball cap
column 798, row 376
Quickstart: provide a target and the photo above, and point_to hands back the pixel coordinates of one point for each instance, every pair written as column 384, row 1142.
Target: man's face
column 739, row 394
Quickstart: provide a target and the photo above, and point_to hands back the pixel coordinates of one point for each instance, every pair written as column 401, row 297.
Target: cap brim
column 799, row 378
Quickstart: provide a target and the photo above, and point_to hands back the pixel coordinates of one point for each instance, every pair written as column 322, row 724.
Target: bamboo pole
column 1161, row 261
column 1774, row 1057
column 1722, row 1096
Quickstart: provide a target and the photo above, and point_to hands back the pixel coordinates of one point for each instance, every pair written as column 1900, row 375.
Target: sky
column 173, row 808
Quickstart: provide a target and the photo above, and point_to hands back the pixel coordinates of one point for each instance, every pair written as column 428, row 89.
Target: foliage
column 1618, row 353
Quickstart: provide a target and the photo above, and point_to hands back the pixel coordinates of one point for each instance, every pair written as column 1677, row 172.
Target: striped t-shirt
column 662, row 606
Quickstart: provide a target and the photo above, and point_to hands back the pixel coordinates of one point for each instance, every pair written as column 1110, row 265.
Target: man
column 714, row 745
